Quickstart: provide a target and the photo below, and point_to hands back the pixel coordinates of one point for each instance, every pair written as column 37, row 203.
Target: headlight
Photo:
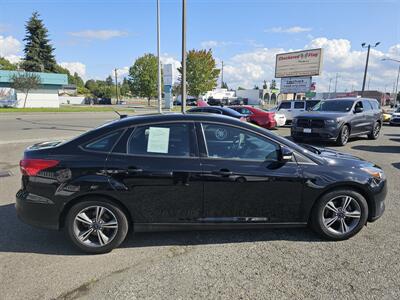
column 330, row 122
column 374, row 172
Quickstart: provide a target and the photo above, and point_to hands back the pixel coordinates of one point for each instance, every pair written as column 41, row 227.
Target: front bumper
column 36, row 211
column 326, row 133
column 377, row 205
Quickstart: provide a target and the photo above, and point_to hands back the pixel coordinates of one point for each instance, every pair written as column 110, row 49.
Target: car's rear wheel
column 344, row 135
column 96, row 225
column 339, row 215
column 375, row 131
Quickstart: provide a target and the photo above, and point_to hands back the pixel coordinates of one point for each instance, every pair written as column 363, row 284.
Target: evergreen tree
column 39, row 55
column 109, row 80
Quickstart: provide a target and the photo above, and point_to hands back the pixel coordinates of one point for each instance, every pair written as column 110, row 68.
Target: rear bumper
column 326, row 134
column 36, row 211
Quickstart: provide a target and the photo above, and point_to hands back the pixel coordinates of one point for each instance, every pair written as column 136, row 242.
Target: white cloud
column 73, row 67
column 294, row 29
column 98, row 34
column 9, row 46
column 214, row 44
column 251, row 68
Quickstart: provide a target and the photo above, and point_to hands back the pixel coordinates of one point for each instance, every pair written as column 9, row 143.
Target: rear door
column 155, row 169
column 369, row 116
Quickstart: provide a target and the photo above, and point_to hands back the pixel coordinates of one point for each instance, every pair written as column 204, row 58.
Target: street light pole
column 183, row 56
column 397, row 80
column 366, row 64
column 116, row 85
column 158, row 59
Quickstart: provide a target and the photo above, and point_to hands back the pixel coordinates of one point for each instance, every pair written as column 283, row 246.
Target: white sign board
column 158, row 140
column 168, row 74
column 299, row 63
column 295, row 84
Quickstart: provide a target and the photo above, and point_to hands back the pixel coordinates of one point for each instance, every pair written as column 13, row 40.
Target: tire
column 374, row 134
column 354, row 215
column 343, row 136
column 97, row 236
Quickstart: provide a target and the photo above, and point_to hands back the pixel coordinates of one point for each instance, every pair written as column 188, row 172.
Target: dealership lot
column 292, row 263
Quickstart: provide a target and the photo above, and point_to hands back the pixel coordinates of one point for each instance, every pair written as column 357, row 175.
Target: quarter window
column 105, row 143
column 162, row 139
column 233, row 143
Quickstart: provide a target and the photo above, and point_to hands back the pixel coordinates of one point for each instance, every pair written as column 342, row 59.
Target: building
column 45, row 96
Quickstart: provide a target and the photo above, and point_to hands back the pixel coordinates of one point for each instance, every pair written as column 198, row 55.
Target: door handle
column 223, row 172
column 134, row 170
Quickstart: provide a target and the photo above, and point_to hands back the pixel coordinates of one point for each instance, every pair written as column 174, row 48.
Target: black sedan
column 219, row 110
column 192, row 171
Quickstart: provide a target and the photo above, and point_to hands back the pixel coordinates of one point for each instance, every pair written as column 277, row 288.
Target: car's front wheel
column 96, row 225
column 344, row 135
column 339, row 215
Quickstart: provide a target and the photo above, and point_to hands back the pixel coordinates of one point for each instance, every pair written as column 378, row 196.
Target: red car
column 262, row 118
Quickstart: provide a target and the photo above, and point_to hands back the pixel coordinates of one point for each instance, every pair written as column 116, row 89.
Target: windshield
column 334, row 105
column 397, row 110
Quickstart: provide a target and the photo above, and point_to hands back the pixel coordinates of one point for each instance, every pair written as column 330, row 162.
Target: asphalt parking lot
column 290, row 263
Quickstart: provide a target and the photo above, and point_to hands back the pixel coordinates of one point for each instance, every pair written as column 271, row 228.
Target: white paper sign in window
column 158, row 140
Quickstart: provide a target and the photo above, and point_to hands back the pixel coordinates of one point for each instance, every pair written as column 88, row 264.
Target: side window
column 299, row 105
column 375, row 104
column 234, row 143
column 246, row 112
column 173, row 139
column 285, row 105
column 367, row 105
column 359, row 104
column 105, row 143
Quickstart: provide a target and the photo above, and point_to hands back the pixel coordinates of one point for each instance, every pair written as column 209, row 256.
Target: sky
column 92, row 37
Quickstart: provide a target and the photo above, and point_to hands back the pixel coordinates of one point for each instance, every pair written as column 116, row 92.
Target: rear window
column 311, row 103
column 105, row 143
column 285, row 105
column 299, row 105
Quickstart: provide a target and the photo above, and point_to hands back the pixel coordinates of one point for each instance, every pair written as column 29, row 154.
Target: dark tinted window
column 105, row 143
column 299, row 105
column 162, row 139
column 311, row 103
column 234, row 143
column 212, row 111
column 334, row 105
column 367, row 105
column 285, row 105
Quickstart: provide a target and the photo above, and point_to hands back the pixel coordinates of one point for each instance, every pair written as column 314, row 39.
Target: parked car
column 257, row 116
column 189, row 102
column 386, row 116
column 338, row 120
column 292, row 109
column 192, row 171
column 395, row 118
column 219, row 110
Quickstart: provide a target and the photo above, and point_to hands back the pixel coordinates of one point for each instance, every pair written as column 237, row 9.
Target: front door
column 244, row 181
column 156, row 171
column 359, row 119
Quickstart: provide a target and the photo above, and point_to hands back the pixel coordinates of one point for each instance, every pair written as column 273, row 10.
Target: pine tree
column 39, row 55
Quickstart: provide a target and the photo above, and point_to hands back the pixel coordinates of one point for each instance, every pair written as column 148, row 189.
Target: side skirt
column 147, row 227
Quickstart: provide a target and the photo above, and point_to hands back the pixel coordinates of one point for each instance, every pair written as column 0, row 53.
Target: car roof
column 219, row 108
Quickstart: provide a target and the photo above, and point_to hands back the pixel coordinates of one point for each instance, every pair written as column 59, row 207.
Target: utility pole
column 336, row 83
column 222, row 74
column 183, row 56
column 369, row 81
column 116, row 84
column 329, row 89
column 158, row 59
column 397, row 80
column 366, row 64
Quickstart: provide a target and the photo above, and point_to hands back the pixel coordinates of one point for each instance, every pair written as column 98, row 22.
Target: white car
column 291, row 109
column 395, row 118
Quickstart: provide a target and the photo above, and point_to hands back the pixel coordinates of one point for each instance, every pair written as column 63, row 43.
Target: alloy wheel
column 345, row 135
column 377, row 129
column 341, row 215
column 95, row 226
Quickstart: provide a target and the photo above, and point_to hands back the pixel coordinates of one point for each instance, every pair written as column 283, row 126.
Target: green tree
column 125, row 89
column 273, row 84
column 25, row 82
column 201, row 72
column 240, row 88
column 6, row 64
column 143, row 77
column 224, row 85
column 39, row 55
column 109, row 80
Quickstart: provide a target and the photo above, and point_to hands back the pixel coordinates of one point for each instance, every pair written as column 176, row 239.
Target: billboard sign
column 295, row 84
column 168, row 74
column 299, row 63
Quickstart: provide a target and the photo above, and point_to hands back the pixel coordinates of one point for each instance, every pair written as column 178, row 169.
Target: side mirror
column 358, row 109
column 286, row 154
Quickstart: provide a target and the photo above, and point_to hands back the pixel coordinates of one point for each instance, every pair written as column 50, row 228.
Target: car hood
column 322, row 115
column 336, row 158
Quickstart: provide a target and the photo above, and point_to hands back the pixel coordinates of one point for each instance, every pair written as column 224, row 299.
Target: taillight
column 31, row 167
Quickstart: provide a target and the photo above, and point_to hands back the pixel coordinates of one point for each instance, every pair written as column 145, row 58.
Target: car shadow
column 396, row 165
column 17, row 237
column 378, row 149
